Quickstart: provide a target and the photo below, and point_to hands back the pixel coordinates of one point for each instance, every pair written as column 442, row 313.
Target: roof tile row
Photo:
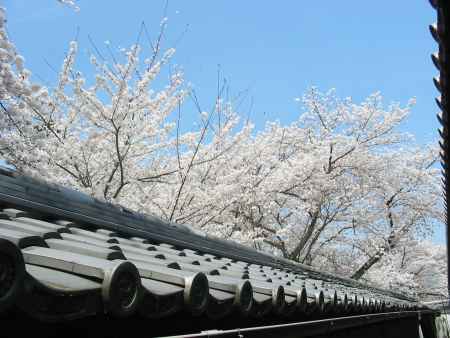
column 96, row 270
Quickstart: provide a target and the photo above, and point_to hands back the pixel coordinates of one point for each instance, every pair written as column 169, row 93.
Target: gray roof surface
column 82, row 257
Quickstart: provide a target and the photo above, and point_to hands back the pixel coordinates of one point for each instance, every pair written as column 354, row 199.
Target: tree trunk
column 391, row 242
column 295, row 254
column 367, row 265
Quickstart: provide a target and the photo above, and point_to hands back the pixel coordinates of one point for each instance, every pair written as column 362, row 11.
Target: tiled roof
column 65, row 255
column 441, row 59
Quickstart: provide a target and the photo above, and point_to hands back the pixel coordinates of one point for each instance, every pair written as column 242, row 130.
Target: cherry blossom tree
column 320, row 174
column 116, row 137
column 418, row 266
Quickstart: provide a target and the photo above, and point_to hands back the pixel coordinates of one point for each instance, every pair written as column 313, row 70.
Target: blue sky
column 276, row 50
